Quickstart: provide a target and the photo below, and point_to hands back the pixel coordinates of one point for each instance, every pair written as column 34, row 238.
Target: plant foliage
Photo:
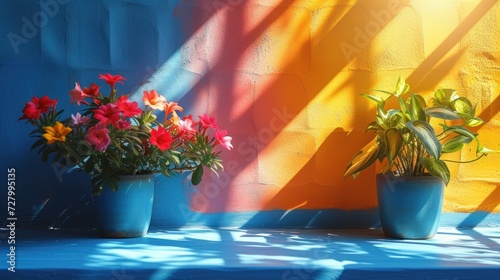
column 113, row 136
column 405, row 137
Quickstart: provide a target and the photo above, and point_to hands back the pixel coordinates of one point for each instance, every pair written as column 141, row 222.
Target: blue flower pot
column 126, row 212
column 409, row 207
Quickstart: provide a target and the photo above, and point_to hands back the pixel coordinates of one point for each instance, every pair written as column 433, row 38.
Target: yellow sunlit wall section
column 291, row 73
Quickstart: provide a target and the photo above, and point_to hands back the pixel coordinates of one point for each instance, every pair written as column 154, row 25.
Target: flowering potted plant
column 410, row 186
column 113, row 137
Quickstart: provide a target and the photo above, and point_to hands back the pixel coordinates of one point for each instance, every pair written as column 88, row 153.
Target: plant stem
column 469, row 161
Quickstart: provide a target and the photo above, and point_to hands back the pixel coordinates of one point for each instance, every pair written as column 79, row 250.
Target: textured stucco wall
column 283, row 77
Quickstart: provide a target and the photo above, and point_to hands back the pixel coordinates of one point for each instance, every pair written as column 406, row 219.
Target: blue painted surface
column 256, row 254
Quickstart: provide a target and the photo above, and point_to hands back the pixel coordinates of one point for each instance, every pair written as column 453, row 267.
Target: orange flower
column 154, row 100
column 55, row 133
column 171, row 107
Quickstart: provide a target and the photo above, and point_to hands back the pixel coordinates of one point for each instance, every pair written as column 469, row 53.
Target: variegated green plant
column 405, row 137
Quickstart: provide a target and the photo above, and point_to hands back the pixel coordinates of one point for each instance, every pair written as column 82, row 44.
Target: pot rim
column 425, row 177
column 136, row 177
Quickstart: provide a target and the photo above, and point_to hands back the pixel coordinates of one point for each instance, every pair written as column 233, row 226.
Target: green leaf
column 394, row 142
column 485, row 150
column 89, row 165
column 378, row 100
column 464, row 131
column 403, row 105
column 463, row 107
column 420, row 100
column 105, row 165
column 456, row 143
column 441, row 113
column 397, row 119
column 364, row 158
column 437, row 168
column 47, row 152
column 58, row 156
column 136, row 139
column 380, row 121
column 38, row 143
column 175, row 159
column 374, row 126
column 382, row 117
column 197, row 175
column 416, row 108
column 37, row 133
column 475, row 121
column 401, row 87
column 427, row 136
column 381, row 112
column 445, row 95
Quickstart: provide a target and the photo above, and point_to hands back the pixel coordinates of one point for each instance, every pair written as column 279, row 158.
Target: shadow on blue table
column 256, row 254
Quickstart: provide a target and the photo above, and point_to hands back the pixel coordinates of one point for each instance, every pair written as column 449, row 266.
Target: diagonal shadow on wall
column 344, row 23
column 296, row 194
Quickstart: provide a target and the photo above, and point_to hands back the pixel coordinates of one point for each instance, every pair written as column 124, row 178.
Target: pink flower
column 107, row 114
column 187, row 129
column 77, row 95
column 208, row 121
column 37, row 106
column 98, row 136
column 161, row 138
column 79, row 119
column 223, row 140
column 128, row 108
column 154, row 100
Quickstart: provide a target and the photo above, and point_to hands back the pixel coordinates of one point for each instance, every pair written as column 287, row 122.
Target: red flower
column 128, row 108
column 160, row 138
column 37, row 106
column 98, row 136
column 107, row 114
column 92, row 91
column 122, row 124
column 111, row 80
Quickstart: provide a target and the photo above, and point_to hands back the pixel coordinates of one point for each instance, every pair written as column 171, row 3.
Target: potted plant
column 122, row 146
column 412, row 140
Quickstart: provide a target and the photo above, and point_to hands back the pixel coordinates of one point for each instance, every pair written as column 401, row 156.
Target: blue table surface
column 206, row 253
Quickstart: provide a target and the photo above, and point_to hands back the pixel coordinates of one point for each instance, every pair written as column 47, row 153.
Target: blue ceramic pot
column 126, row 212
column 409, row 207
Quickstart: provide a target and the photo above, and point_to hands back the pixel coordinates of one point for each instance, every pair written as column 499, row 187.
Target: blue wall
column 44, row 49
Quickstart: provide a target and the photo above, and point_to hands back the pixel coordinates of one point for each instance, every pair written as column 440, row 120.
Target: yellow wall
column 295, row 70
